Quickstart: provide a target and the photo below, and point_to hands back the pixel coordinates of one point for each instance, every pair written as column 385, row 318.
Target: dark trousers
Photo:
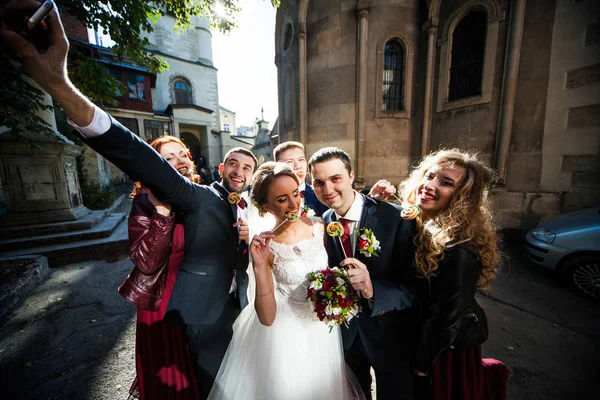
column 393, row 382
column 208, row 344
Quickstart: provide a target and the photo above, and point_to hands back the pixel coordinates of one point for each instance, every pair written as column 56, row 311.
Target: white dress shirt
column 99, row 125
column 353, row 215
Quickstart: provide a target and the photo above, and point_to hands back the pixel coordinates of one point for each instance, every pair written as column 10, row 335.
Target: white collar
column 302, row 186
column 355, row 211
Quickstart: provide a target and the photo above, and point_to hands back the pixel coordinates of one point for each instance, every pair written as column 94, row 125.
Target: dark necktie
column 302, row 193
column 242, row 204
column 346, row 241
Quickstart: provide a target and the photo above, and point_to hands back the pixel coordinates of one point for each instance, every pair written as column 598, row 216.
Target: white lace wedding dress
column 296, row 358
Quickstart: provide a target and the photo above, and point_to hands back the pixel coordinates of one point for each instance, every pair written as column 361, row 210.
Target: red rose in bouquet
column 334, row 299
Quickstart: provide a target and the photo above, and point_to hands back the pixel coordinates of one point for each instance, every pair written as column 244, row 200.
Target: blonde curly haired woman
column 456, row 255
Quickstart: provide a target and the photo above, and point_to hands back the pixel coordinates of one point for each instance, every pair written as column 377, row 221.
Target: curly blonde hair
column 262, row 179
column 466, row 218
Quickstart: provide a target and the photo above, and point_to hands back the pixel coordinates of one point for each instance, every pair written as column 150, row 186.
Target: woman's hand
column 259, row 250
column 161, row 208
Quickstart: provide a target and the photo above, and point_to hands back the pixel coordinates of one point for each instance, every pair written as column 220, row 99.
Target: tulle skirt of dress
column 294, row 359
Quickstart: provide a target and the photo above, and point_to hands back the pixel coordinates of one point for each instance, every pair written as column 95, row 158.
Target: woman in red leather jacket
column 456, row 255
column 163, row 362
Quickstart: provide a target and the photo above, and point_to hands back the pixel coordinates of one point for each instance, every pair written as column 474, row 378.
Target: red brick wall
column 74, row 28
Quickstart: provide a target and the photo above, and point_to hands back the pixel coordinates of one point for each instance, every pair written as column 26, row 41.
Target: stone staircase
column 100, row 235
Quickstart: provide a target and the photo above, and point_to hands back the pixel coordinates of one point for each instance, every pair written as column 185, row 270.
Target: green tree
column 124, row 20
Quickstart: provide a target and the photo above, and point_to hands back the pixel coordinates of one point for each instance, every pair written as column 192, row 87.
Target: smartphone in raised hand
column 39, row 15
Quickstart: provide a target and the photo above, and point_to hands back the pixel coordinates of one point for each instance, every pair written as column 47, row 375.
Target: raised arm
column 48, row 67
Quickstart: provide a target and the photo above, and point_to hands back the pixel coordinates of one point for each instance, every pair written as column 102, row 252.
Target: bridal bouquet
column 334, row 299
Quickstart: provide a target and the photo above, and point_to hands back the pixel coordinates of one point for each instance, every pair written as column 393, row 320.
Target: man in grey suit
column 205, row 297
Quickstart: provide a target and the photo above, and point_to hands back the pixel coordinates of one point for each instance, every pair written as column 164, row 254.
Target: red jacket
column 149, row 248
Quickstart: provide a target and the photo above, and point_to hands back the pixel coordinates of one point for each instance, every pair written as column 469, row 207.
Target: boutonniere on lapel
column 367, row 245
column 410, row 212
column 306, row 211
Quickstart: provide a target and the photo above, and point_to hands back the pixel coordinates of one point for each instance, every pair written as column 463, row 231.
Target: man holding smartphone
column 210, row 288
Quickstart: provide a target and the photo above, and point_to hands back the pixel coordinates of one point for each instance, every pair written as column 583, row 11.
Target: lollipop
column 290, row 217
column 410, row 212
column 233, row 198
column 335, row 229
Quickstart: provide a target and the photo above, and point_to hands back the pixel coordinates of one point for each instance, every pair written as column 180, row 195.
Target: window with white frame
column 183, row 91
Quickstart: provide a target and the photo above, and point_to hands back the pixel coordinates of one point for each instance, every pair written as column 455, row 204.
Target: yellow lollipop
column 410, row 212
column 335, row 229
column 291, row 216
column 233, row 198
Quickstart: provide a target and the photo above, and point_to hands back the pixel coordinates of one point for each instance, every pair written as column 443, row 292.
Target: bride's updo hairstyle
column 262, row 179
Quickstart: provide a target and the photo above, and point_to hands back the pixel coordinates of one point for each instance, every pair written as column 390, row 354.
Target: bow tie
column 242, row 204
column 302, row 192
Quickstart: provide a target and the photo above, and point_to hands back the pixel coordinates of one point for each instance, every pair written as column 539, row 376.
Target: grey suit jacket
column 212, row 249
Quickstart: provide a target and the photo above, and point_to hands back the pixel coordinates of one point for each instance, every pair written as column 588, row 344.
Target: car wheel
column 583, row 274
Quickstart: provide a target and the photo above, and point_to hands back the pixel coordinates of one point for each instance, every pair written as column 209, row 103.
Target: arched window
column 468, row 49
column 183, row 92
column 393, row 83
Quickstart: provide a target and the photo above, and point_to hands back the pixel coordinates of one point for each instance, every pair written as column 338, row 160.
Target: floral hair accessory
column 233, row 198
column 306, row 211
column 335, row 229
column 334, row 299
column 368, row 245
column 410, row 212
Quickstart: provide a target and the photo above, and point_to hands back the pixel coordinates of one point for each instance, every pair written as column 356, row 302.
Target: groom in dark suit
column 211, row 284
column 206, row 297
column 381, row 335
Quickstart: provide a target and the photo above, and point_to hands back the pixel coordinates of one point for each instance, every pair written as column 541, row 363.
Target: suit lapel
column 233, row 207
column 224, row 194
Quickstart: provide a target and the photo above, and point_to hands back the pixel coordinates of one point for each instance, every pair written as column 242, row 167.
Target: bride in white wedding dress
column 279, row 349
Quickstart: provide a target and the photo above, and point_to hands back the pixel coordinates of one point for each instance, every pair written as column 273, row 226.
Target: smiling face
column 237, row 172
column 332, row 183
column 296, row 159
column 437, row 188
column 282, row 196
column 178, row 157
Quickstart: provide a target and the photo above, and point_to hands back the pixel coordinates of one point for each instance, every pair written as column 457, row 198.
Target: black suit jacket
column 213, row 253
column 310, row 199
column 387, row 324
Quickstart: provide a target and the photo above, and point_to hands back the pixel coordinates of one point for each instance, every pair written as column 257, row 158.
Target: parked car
column 569, row 244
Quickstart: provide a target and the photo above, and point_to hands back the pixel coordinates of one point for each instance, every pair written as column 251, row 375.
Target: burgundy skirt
column 458, row 375
column 162, row 357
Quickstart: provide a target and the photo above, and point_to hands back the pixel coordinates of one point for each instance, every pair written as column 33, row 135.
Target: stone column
column 302, row 83
column 361, row 115
column 40, row 185
column 431, row 29
column 509, row 86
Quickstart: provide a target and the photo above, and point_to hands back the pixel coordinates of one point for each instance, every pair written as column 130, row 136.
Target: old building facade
column 392, row 80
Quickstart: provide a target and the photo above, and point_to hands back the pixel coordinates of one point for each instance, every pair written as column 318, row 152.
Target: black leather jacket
column 450, row 316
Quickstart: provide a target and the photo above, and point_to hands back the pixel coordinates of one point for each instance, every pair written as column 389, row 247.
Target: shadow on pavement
column 62, row 341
